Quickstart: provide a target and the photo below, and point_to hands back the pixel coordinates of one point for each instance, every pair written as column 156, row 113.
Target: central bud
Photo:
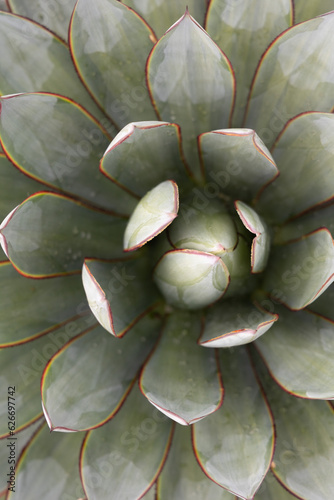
column 207, row 251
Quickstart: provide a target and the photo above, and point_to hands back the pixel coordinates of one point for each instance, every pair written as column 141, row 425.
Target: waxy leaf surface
column 235, row 322
column 189, row 388
column 131, row 159
column 109, row 44
column 212, row 230
column 234, row 446
column 299, row 271
column 48, row 468
column 298, row 351
column 60, row 145
column 26, row 45
column 155, row 211
column 284, row 83
column 54, row 15
column 191, row 279
column 50, row 234
column 308, row 10
column 161, row 15
column 191, row 83
column 237, row 162
column 132, row 447
column 78, row 399
column 304, row 452
column 119, row 292
column 23, row 366
column 243, row 30
column 31, row 308
column 304, row 153
column 182, row 477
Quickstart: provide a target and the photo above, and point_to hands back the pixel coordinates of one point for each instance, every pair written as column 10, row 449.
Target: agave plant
column 167, row 185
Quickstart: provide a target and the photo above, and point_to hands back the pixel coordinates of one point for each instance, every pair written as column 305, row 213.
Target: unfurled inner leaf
column 155, row 211
column 261, row 243
column 235, row 322
column 189, row 388
column 190, row 279
column 211, row 230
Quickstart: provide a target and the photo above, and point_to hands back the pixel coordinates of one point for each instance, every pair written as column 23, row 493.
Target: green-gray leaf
column 154, row 212
column 234, row 446
column 109, row 44
column 244, row 30
column 132, row 447
column 189, row 388
column 300, row 271
column 236, row 162
column 120, row 292
column 235, row 322
column 191, row 83
column 50, row 234
column 56, row 142
column 86, row 382
column 284, row 85
column 299, row 352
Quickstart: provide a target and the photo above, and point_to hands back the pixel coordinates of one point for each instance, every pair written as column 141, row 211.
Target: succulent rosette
column 167, row 267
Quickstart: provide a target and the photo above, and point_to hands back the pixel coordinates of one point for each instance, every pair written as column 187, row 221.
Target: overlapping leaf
column 48, row 467
column 234, row 446
column 118, row 292
column 304, row 153
column 243, row 30
column 131, row 159
column 54, row 15
column 188, row 389
column 162, row 15
column 301, row 270
column 191, row 83
column 304, row 453
column 79, row 399
column 60, row 145
column 131, row 447
column 50, row 234
column 299, row 354
column 109, row 45
column 283, row 81
column 25, row 45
